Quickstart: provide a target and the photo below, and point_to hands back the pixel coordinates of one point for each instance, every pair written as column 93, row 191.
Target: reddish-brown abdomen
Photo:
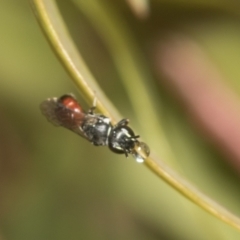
column 71, row 103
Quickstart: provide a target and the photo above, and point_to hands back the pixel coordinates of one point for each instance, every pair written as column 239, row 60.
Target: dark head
column 122, row 140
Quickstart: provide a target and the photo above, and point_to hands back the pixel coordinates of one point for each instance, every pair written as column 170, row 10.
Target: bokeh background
column 55, row 185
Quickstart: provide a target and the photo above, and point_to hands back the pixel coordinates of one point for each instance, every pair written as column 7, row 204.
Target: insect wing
column 59, row 115
column 48, row 109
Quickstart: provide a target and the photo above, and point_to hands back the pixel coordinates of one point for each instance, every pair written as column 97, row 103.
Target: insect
column 65, row 111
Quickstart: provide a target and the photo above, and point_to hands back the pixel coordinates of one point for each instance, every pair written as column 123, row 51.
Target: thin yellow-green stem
column 193, row 194
column 56, row 32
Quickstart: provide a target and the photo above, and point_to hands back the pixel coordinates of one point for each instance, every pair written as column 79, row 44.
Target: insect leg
column 92, row 109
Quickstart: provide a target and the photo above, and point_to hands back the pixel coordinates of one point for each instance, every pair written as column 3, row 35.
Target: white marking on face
column 116, row 145
column 126, row 132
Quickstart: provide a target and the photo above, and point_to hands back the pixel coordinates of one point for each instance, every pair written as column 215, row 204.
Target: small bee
column 96, row 128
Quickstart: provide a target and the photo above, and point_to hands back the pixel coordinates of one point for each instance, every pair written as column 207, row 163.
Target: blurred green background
column 55, row 185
